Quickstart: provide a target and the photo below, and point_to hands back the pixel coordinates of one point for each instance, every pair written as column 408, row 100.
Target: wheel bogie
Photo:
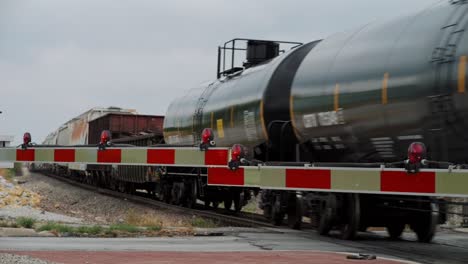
column 395, row 230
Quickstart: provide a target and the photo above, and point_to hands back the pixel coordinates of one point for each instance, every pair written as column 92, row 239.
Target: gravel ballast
column 83, row 206
column 37, row 214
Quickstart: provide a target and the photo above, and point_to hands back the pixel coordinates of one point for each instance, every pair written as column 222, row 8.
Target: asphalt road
column 245, row 240
column 448, row 247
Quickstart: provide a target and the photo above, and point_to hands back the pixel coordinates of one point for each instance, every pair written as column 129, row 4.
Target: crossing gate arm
column 145, row 156
column 427, row 182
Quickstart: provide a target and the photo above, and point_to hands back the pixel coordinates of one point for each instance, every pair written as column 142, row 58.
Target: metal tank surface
column 367, row 94
column 234, row 106
column 362, row 95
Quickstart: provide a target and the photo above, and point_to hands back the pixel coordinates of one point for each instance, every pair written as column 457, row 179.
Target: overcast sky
column 60, row 58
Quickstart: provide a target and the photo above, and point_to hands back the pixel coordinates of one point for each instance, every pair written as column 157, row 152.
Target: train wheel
column 265, row 204
column 267, row 211
column 327, row 214
column 121, row 186
column 426, row 224
column 165, row 193
column 192, row 195
column 395, row 230
column 96, row 178
column 211, row 199
column 128, row 187
column 176, row 193
column 207, row 203
column 352, row 215
column 227, row 202
column 294, row 211
column 113, row 184
column 276, row 213
column 238, row 197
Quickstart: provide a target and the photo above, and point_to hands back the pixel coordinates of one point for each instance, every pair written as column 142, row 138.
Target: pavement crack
column 253, row 242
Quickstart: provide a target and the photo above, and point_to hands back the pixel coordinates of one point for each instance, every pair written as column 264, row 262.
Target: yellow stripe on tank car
column 462, row 75
column 220, row 127
column 384, row 89
column 336, row 98
column 262, row 121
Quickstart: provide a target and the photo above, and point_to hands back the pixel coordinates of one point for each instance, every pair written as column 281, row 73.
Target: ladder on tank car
column 198, row 115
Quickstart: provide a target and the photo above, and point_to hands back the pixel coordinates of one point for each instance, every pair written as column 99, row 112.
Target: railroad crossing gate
column 431, row 182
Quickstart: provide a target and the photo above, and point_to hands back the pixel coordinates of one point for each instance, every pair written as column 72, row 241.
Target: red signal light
column 105, row 137
column 27, row 138
column 207, row 136
column 416, row 152
column 207, row 139
column 237, row 152
column 237, row 156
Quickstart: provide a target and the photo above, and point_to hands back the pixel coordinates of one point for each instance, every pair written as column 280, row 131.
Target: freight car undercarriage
column 179, row 186
column 351, row 212
column 346, row 212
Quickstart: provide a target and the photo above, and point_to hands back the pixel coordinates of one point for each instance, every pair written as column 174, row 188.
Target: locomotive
column 355, row 99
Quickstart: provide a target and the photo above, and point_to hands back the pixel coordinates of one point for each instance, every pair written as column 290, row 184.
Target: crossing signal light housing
column 207, row 139
column 106, row 137
column 416, row 157
column 26, row 140
column 237, row 156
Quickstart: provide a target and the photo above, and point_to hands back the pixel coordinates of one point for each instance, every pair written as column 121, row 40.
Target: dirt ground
column 61, row 198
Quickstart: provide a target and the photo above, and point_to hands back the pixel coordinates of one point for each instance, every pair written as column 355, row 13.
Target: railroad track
column 244, row 219
column 440, row 251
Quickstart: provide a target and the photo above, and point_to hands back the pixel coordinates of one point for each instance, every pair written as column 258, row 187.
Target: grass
column 124, row 227
column 151, row 222
column 203, row 223
column 51, row 226
column 154, row 228
column 26, row 222
column 91, row 230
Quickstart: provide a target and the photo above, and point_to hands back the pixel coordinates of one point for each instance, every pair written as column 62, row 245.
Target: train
column 358, row 98
column 125, row 127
